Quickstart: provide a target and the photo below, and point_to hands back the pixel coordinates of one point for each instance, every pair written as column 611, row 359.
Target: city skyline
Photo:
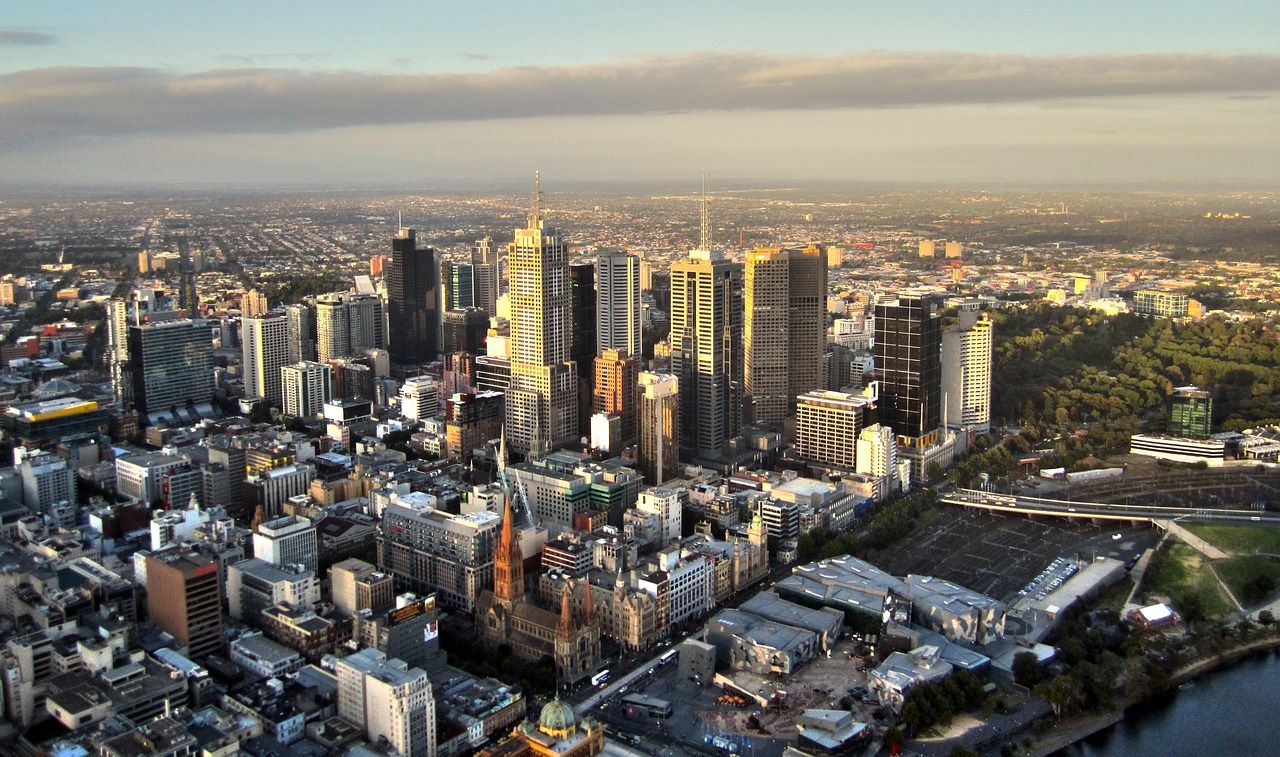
column 1104, row 93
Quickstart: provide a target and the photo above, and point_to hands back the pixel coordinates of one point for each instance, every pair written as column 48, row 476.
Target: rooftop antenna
column 704, row 239
column 399, row 221
column 535, row 209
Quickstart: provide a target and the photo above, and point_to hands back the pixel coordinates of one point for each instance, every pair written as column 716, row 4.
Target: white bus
column 600, row 678
column 667, row 657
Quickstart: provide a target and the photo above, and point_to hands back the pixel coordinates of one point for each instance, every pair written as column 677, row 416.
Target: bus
column 667, row 657
column 599, row 678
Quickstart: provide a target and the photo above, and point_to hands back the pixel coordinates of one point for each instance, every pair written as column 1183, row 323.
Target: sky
column 429, row 94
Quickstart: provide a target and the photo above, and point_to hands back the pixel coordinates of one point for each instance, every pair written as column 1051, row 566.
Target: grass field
column 1242, row 539
column 1178, row 572
column 1252, row 579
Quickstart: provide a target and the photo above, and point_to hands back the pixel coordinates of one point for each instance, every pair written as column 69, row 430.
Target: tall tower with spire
column 706, row 349
column 542, row 409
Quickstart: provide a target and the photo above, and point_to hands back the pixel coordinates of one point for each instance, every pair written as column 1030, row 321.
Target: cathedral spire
column 508, row 560
column 588, row 607
column 565, row 627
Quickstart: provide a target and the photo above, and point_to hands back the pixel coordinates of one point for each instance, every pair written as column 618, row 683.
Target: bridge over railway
column 1063, row 508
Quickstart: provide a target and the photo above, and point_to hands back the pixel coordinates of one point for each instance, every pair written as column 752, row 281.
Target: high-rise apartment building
column 966, row 372
column 659, row 427
column 542, row 400
column 616, row 376
column 348, row 324
column 413, row 313
column 827, row 427
column 290, row 540
column 908, row 353
column 877, row 451
column 387, row 699
column 668, row 505
column 265, row 345
column 253, row 304
column 706, row 352
column 419, row 398
column 302, row 332
column 784, row 329
column 47, row 483
column 1191, row 413
column 306, row 386
column 184, row 599
column 170, row 364
column 618, row 303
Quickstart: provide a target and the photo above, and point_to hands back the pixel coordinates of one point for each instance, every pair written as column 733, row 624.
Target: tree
column 1266, row 618
column 1026, row 669
column 1065, row 695
column 893, row 739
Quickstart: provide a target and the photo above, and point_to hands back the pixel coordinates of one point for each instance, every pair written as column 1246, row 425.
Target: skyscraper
column 306, row 387
column 464, row 331
column 706, row 350
column 253, row 303
column 614, row 391
column 348, row 324
column 784, row 329
column 302, row 332
column 170, row 364
column 659, row 427
column 459, row 281
column 265, row 346
column 966, row 372
column 413, row 313
column 618, row 302
column 766, row 322
column 542, row 401
column 909, row 367
column 582, row 344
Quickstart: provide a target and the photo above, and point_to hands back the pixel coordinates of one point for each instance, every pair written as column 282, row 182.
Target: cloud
column 257, row 59
column 41, row 106
column 20, row 37
column 477, row 56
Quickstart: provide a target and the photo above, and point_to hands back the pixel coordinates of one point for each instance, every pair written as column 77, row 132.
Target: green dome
column 556, row 716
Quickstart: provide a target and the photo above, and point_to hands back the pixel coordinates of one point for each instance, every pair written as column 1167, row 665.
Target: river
column 1230, row 711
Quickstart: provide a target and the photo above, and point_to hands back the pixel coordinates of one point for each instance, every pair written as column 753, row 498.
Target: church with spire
column 507, row 615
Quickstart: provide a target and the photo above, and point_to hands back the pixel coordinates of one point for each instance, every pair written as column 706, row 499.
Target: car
column 1115, row 537
column 1254, row 518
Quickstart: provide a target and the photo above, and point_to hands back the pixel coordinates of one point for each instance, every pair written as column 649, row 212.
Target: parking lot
column 1049, row 579
column 998, row 554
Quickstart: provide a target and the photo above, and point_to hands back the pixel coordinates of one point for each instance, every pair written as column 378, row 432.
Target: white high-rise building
column 348, row 324
column 966, row 372
column 265, row 342
column 827, row 425
column 290, row 540
column 47, row 481
column 618, row 303
column 668, row 505
column 542, row 400
column 306, row 387
column 419, row 398
column 877, row 451
column 386, row 698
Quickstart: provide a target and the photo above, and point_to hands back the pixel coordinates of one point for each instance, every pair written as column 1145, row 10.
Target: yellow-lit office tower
column 966, row 372
column 706, row 350
column 265, row 343
column 542, row 409
column 784, row 329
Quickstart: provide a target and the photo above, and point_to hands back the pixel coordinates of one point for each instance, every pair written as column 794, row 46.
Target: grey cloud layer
column 20, row 37
column 48, row 105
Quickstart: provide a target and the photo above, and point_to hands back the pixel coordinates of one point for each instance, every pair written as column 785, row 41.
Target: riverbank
column 1072, row 732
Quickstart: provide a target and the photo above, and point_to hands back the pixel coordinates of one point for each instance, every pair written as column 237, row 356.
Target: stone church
column 507, row 615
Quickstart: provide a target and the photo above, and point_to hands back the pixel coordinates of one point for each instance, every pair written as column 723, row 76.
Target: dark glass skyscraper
column 413, row 314
column 909, row 367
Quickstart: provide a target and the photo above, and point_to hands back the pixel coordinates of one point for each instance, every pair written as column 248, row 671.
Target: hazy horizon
column 306, row 95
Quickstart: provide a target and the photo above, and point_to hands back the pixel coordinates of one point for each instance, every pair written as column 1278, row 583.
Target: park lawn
column 1251, row 578
column 1179, row 572
column 1243, row 539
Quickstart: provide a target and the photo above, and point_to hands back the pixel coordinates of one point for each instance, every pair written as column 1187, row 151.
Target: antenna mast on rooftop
column 704, row 238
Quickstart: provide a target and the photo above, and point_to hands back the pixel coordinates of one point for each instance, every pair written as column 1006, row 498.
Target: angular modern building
column 1191, row 413
column 908, row 354
column 659, row 427
column 413, row 312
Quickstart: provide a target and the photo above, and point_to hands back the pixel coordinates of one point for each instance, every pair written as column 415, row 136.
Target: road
column 1100, row 510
